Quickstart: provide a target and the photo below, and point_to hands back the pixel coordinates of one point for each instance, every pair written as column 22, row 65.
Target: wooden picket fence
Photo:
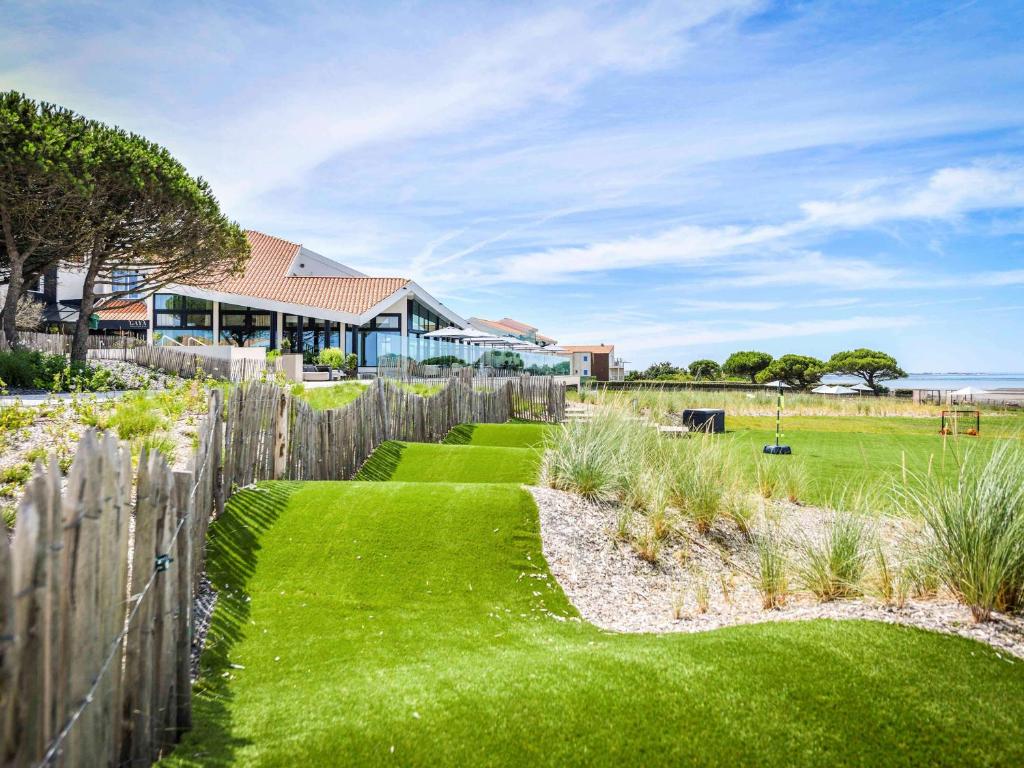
column 273, row 436
column 96, row 596
column 181, row 362
column 97, row 587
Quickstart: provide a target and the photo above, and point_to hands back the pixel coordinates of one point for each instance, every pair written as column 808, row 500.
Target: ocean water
column 946, row 381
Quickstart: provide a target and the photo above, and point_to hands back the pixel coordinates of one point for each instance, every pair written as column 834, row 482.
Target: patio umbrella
column 777, row 384
column 824, row 389
column 841, row 390
column 862, row 388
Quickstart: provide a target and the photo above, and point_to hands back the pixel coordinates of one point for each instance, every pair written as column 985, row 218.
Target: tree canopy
column 705, row 369
column 796, row 370
column 124, row 202
column 747, row 364
column 44, row 177
column 870, row 365
column 664, row 371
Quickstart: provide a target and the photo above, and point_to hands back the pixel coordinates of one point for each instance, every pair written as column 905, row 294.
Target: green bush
column 445, row 360
column 29, row 369
column 332, row 358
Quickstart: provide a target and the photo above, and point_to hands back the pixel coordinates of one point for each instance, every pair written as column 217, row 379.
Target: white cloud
column 771, row 254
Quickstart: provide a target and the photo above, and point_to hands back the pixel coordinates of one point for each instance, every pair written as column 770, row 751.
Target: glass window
column 387, row 322
column 169, row 301
column 126, row 280
column 586, row 358
column 178, row 337
column 245, row 327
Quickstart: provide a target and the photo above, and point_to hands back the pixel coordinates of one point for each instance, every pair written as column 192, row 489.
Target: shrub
column 975, row 529
column 771, row 576
column 833, row 566
column 444, row 360
column 332, row 357
column 29, row 369
column 769, row 475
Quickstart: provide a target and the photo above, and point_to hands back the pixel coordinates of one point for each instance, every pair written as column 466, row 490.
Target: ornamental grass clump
column 700, row 480
column 833, row 565
column 974, row 526
column 771, row 574
column 604, row 458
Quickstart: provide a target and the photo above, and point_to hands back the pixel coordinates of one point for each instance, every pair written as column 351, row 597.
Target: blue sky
column 680, row 179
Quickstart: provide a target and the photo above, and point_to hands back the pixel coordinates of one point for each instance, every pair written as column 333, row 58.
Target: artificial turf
column 426, row 463
column 416, row 623
column 514, row 435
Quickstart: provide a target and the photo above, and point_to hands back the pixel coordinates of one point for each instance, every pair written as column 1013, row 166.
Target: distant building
column 509, row 327
column 597, row 360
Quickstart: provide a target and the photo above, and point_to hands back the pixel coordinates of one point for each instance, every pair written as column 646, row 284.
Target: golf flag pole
column 778, row 448
column 778, row 414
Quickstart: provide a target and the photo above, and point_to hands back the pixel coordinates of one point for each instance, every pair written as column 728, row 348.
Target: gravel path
column 615, row 589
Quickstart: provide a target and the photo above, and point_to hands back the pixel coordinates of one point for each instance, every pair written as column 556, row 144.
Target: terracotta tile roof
column 266, row 277
column 516, row 325
column 124, row 310
column 593, row 348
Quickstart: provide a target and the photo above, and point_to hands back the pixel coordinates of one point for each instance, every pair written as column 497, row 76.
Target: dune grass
column 416, row 623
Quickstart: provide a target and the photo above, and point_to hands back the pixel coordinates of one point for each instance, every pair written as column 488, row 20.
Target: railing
column 417, row 357
column 89, row 678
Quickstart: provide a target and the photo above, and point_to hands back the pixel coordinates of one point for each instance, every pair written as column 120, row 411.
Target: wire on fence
column 161, row 565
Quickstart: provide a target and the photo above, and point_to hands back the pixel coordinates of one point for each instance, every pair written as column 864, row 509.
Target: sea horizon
column 946, row 380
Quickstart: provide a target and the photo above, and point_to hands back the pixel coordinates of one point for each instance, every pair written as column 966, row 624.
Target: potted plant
column 351, row 364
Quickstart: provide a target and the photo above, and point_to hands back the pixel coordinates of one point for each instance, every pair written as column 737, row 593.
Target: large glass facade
column 421, row 319
column 309, row 335
column 377, row 338
column 182, row 320
column 246, row 327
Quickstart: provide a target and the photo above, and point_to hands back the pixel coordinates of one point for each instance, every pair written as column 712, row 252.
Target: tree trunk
column 80, row 343
column 15, row 281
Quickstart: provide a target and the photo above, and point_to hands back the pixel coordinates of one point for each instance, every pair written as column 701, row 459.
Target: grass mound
column 422, row 463
column 513, row 435
column 417, row 623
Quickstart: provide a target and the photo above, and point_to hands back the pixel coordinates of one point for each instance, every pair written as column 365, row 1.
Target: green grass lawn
column 524, row 435
column 416, row 623
column 865, row 452
column 425, row 463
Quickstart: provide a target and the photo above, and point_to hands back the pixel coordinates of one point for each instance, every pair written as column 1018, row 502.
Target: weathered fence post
column 281, row 419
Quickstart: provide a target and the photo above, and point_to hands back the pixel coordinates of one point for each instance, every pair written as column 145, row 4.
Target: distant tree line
column 80, row 195
column 800, row 371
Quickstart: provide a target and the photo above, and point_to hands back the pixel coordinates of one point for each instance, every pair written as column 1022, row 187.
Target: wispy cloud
column 944, row 196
